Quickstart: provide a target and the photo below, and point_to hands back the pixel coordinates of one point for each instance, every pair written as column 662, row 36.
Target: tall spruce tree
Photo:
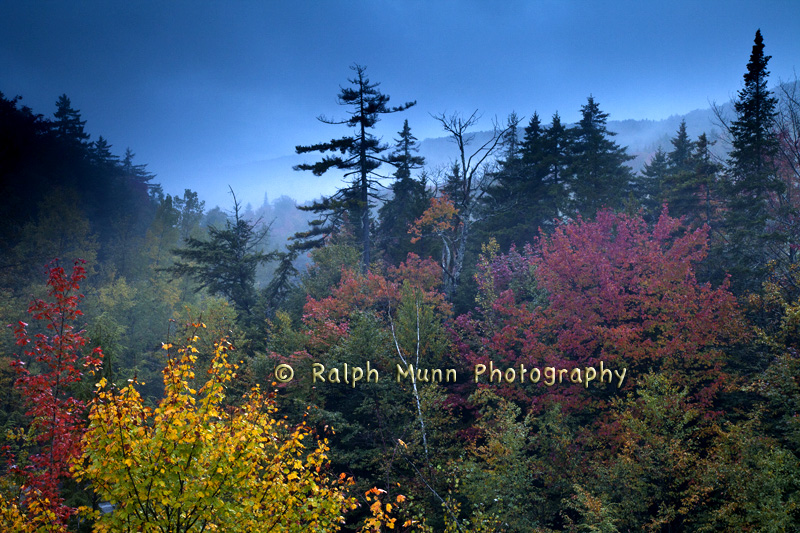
column 679, row 190
column 706, row 171
column 649, row 184
column 225, row 263
column 752, row 182
column 557, row 149
column 359, row 155
column 598, row 176
column 68, row 124
column 520, row 200
column 410, row 198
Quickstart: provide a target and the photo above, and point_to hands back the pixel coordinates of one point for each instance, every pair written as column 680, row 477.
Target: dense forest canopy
column 535, row 337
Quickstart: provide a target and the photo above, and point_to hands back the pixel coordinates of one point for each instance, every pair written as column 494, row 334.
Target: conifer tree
column 679, row 188
column 752, row 183
column 226, row 262
column 68, row 124
column 557, row 147
column 680, row 158
column 520, row 199
column 409, row 199
column 650, row 183
column 360, row 158
column 706, row 171
column 597, row 174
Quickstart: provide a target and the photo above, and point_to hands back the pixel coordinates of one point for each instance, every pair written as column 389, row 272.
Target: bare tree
column 466, row 184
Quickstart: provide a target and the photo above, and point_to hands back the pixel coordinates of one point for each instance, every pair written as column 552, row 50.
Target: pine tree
column 360, row 158
column 520, row 199
column 679, row 190
column 649, row 185
column 101, row 152
column 68, row 124
column 706, row 171
column 680, row 158
column 225, row 264
column 557, row 148
column 598, row 176
column 752, row 183
column 410, row 198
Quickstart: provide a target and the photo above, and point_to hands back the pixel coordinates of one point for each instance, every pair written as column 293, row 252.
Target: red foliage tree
column 328, row 319
column 606, row 290
column 52, row 361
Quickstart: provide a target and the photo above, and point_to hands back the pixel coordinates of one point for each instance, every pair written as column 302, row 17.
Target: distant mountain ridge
column 642, row 137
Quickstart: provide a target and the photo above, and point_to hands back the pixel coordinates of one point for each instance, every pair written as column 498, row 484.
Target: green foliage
column 757, row 482
column 225, row 264
column 499, row 475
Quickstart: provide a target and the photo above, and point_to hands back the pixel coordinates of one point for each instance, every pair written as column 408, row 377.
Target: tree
column 226, row 263
column 679, row 189
column 360, row 159
column 409, row 198
column 752, row 182
column 597, row 174
column 680, row 158
column 557, row 142
column 524, row 194
column 465, row 187
column 68, row 124
column 192, row 464
column 51, row 365
column 651, row 182
column 607, row 290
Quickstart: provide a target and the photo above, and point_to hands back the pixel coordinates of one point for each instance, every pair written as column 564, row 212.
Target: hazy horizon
column 205, row 94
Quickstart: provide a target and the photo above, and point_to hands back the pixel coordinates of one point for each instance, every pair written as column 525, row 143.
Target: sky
column 217, row 94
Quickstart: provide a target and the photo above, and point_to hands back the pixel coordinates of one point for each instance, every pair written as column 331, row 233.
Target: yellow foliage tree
column 193, row 464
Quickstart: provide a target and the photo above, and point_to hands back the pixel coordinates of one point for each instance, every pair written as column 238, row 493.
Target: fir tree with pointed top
column 359, row 155
column 648, row 186
column 598, row 176
column 557, row 148
column 752, row 182
column 410, row 198
column 68, row 124
column 101, row 152
column 706, row 171
column 680, row 158
column 679, row 189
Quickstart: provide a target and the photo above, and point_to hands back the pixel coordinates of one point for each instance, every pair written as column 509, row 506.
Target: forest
column 536, row 338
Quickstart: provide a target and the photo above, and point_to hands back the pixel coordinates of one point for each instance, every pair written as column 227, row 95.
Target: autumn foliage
column 608, row 290
column 195, row 464
column 52, row 361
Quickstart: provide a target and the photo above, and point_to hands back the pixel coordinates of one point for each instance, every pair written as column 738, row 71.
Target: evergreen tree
column 101, row 151
column 598, row 176
column 520, row 200
column 650, row 183
column 403, row 156
column 706, row 171
column 225, row 264
column 68, row 124
column 680, row 158
column 752, row 183
column 360, row 158
column 557, row 149
column 135, row 174
column 409, row 199
column 679, row 190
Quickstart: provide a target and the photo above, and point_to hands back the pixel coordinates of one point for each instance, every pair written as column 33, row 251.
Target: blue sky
column 204, row 92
